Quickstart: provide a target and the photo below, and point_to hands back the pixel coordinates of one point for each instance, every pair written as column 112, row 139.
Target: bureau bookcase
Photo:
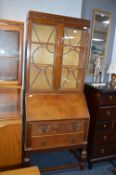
column 56, row 111
column 11, row 43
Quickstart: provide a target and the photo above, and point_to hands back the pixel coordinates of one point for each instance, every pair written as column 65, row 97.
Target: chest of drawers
column 102, row 131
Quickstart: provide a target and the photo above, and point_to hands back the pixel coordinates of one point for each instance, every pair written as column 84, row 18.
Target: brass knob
column 102, row 151
column 105, row 137
column 74, row 127
column 43, row 130
column 104, row 126
column 108, row 113
column 110, row 97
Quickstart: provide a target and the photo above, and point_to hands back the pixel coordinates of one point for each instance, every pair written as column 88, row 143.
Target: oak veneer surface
column 22, row 171
column 56, row 107
column 10, row 142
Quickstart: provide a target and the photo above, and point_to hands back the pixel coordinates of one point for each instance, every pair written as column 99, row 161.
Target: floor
column 59, row 158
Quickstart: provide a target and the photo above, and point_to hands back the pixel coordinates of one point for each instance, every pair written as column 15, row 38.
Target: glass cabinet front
column 73, row 59
column 43, row 44
column 9, row 55
column 11, row 51
column 57, row 52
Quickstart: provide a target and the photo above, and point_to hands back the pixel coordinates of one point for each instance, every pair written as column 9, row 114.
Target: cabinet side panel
column 10, row 143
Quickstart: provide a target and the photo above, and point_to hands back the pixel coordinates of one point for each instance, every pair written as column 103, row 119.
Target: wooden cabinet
column 27, row 171
column 56, row 110
column 102, row 130
column 11, row 39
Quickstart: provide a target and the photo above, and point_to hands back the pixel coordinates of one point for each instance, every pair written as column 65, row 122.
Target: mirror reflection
column 99, row 45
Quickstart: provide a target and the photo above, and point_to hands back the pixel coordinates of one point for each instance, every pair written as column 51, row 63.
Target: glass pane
column 9, row 101
column 8, row 70
column 9, row 44
column 71, row 78
column 42, row 57
column 73, row 58
column 43, row 33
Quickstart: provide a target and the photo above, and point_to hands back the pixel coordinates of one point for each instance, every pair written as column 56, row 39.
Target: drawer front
column 106, row 113
column 55, row 141
column 57, row 127
column 105, row 150
column 108, row 99
column 105, row 137
column 104, row 125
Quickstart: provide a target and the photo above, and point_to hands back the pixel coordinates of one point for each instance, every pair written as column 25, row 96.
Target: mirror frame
column 92, row 34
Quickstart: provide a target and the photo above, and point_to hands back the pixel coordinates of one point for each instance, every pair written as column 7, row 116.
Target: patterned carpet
column 59, row 158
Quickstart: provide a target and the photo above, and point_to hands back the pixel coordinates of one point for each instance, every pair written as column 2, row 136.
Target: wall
column 17, row 9
column 108, row 6
column 114, row 49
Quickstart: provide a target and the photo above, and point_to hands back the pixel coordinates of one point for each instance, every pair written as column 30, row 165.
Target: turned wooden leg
column 83, row 156
column 114, row 170
column 26, row 159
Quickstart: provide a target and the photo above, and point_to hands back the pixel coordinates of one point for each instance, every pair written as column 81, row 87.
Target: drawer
column 108, row 99
column 105, row 137
column 105, row 150
column 55, row 141
column 106, row 113
column 57, row 127
column 104, row 125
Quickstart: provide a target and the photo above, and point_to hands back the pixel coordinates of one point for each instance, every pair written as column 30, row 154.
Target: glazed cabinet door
column 42, row 57
column 10, row 52
column 56, row 57
column 73, row 59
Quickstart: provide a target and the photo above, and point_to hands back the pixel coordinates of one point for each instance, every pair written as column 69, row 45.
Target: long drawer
column 56, row 127
column 51, row 134
column 55, row 141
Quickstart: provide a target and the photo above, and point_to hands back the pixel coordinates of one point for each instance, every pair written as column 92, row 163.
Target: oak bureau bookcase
column 11, row 44
column 56, row 110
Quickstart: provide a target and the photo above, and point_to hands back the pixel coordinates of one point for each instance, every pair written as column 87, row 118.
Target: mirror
column 99, row 45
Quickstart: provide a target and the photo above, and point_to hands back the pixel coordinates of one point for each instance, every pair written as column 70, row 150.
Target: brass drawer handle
column 76, row 126
column 102, row 151
column 43, row 130
column 104, row 126
column 105, row 137
column 108, row 113
column 110, row 97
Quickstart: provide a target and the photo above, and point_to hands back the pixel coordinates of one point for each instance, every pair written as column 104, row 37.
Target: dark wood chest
column 102, row 131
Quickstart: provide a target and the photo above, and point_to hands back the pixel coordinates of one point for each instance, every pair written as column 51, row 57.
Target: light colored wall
column 114, row 49
column 17, row 9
